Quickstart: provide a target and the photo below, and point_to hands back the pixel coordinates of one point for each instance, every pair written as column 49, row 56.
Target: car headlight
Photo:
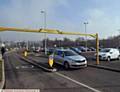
column 71, row 61
column 103, row 55
column 95, row 54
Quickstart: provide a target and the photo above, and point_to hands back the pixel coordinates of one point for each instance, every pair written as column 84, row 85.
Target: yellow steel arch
column 52, row 31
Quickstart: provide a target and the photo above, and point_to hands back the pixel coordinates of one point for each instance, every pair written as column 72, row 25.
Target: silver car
column 69, row 59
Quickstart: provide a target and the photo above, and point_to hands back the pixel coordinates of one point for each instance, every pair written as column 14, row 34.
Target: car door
column 116, row 54
column 113, row 53
column 59, row 57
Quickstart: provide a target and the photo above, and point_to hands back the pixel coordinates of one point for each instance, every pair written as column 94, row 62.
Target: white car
column 69, row 59
column 109, row 53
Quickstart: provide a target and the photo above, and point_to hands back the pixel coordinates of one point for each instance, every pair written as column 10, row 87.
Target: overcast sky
column 103, row 16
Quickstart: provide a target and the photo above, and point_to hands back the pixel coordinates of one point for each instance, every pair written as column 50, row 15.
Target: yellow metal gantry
column 52, row 31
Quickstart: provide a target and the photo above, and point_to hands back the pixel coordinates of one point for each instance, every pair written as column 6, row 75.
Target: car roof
column 63, row 50
column 109, row 48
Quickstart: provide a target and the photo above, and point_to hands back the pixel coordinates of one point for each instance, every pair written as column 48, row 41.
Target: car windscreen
column 70, row 53
column 104, row 50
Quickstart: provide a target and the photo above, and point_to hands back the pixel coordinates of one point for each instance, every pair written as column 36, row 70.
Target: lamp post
column 119, row 39
column 44, row 12
column 85, row 23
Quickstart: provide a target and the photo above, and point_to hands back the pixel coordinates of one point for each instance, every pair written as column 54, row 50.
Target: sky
column 103, row 17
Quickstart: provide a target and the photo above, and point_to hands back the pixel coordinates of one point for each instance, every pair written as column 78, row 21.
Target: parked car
column 76, row 50
column 50, row 51
column 69, row 59
column 109, row 53
column 83, row 49
column 92, row 49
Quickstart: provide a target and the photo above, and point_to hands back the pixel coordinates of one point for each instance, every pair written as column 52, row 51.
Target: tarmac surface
column 23, row 75
column 109, row 73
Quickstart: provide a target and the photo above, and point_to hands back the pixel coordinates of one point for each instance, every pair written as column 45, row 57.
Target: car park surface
column 71, row 80
column 20, row 75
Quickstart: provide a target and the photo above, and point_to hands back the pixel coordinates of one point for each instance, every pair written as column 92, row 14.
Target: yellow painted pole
column 97, row 50
column 25, row 53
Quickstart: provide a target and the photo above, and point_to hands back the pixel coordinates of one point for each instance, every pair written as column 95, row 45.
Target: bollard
column 25, row 53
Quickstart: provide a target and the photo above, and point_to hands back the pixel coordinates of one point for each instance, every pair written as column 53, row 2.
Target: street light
column 119, row 37
column 44, row 12
column 85, row 23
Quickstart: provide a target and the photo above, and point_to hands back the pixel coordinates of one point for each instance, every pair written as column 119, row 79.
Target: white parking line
column 79, row 83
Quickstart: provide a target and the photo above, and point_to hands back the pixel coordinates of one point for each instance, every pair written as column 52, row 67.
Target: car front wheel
column 66, row 65
column 108, row 59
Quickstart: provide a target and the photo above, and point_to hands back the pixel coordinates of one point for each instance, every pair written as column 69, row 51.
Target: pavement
column 113, row 65
column 2, row 82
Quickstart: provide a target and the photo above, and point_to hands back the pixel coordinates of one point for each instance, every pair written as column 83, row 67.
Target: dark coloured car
column 76, row 50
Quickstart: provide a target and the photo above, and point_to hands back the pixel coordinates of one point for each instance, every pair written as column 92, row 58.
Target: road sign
column 51, row 60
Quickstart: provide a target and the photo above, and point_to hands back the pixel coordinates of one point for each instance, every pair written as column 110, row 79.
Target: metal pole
column 45, row 33
column 119, row 39
column 97, row 50
column 86, row 35
column 44, row 12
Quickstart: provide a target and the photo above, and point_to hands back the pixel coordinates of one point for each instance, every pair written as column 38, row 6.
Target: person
column 3, row 50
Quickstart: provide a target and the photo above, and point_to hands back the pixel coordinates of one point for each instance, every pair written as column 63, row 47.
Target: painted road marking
column 79, row 83
column 19, row 90
column 25, row 67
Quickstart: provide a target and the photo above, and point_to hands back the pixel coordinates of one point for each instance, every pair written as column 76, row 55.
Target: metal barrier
column 52, row 31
